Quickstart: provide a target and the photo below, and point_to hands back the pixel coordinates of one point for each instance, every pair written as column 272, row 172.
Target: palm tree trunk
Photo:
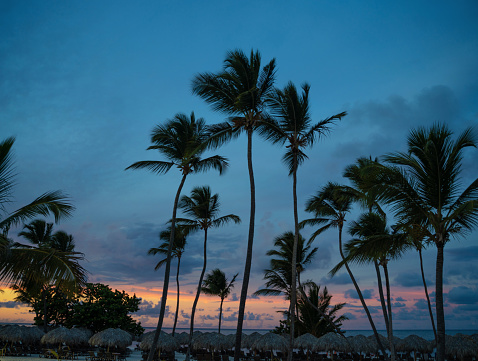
column 389, row 303
column 362, row 300
column 198, row 292
column 250, row 240
column 440, row 355
column 45, row 310
column 177, row 299
column 382, row 298
column 426, row 294
column 166, row 272
column 220, row 315
column 293, row 291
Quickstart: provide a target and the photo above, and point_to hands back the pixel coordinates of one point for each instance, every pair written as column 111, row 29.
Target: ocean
column 426, row 334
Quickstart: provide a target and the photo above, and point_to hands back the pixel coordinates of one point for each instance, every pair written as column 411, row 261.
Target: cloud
column 367, row 294
column 350, row 316
column 11, row 304
column 338, row 279
column 149, row 308
column 463, row 295
column 411, row 279
column 464, row 254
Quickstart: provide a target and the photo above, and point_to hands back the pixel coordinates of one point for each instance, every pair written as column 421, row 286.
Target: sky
column 83, row 83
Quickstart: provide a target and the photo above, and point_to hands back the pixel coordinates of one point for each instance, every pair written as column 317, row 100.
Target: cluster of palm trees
column 421, row 187
column 49, row 259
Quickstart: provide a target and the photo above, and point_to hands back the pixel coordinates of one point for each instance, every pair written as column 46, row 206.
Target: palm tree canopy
column 329, row 207
column 182, row 141
column 37, row 232
column 423, row 185
column 179, row 244
column 290, row 122
column 203, row 208
column 216, row 284
column 279, row 274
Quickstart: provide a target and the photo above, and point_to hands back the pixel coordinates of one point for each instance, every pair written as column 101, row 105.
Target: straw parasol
column 414, row 343
column 306, row 342
column 384, row 341
column 64, row 335
column 333, row 342
column 460, row 346
column 269, row 342
column 361, row 344
column 111, row 337
column 17, row 333
column 183, row 337
column 248, row 340
column 166, row 342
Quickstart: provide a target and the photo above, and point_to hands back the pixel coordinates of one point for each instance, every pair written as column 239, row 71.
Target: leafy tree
column 20, row 265
column 424, row 189
column 216, row 284
column 182, row 141
column 177, row 252
column 292, row 124
column 202, row 208
column 99, row 308
column 240, row 90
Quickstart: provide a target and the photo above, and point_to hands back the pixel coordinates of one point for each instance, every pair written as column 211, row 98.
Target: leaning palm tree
column 20, row 264
column 240, row 91
column 202, row 207
column 423, row 187
column 177, row 252
column 216, row 284
column 291, row 123
column 182, row 141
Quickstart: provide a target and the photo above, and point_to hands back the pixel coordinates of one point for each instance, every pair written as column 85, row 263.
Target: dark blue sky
column 82, row 84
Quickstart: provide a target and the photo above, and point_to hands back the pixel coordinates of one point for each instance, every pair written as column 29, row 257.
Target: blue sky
column 82, row 84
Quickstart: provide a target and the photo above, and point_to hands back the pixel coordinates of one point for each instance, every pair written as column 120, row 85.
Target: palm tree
column 240, row 91
column 424, row 188
column 19, row 264
column 291, row 123
column 377, row 244
column 216, row 284
column 177, row 252
column 182, row 141
column 61, row 245
column 279, row 275
column 311, row 321
column 203, row 208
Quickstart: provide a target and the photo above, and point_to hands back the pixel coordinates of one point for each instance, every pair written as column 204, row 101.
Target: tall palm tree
column 377, row 244
column 240, row 90
column 203, row 208
column 63, row 241
column 177, row 252
column 216, row 284
column 38, row 232
column 182, row 141
column 423, row 187
column 291, row 123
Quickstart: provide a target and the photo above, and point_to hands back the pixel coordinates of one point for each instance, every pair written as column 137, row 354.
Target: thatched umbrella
column 248, row 340
column 35, row 334
column 333, row 342
column 384, row 341
column 270, row 342
column 111, row 337
column 460, row 346
column 307, row 342
column 414, row 343
column 64, row 335
column 166, row 342
column 16, row 333
column 361, row 344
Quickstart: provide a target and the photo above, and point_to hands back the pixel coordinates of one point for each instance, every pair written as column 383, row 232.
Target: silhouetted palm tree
column 240, row 91
column 423, row 186
column 182, row 141
column 177, row 252
column 216, row 284
column 202, row 208
column 291, row 123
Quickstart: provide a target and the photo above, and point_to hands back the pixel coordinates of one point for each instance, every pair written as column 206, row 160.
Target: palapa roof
column 111, row 337
column 414, row 343
column 307, row 342
column 166, row 342
column 333, row 342
column 65, row 335
column 270, row 341
column 360, row 343
column 17, row 333
column 460, row 346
